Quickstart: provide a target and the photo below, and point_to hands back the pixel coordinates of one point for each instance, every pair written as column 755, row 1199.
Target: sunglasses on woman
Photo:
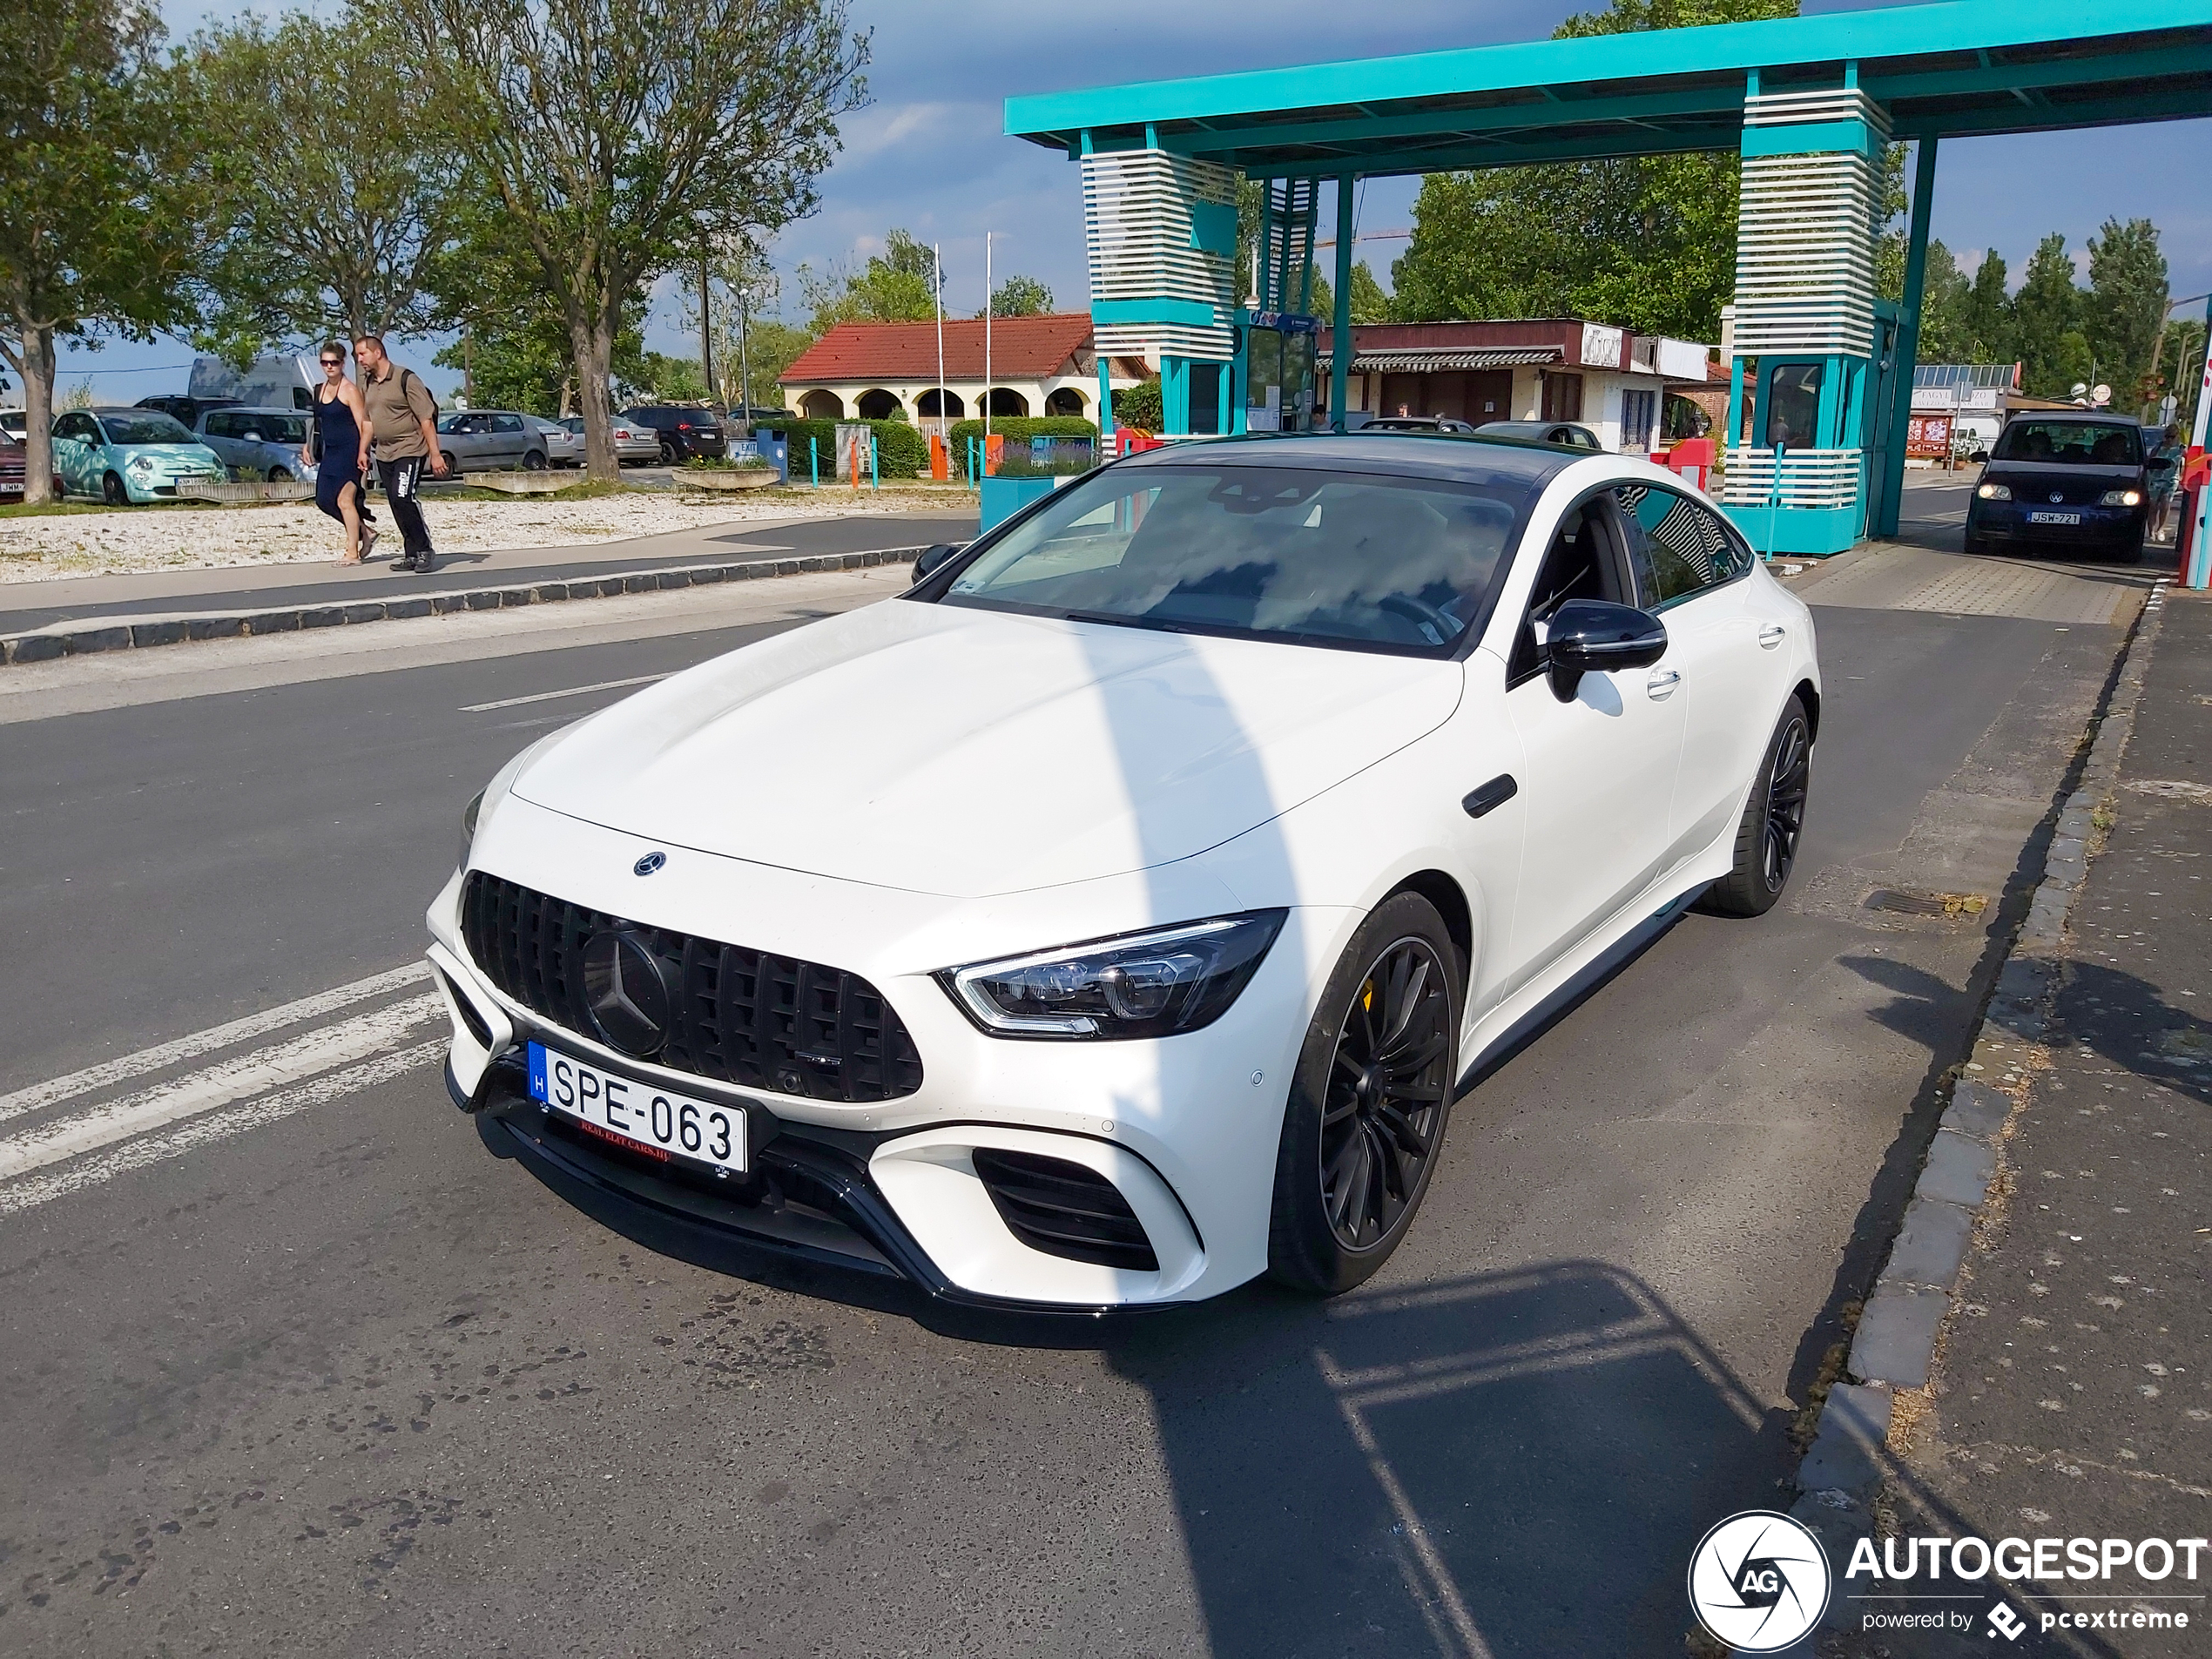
column 334, row 362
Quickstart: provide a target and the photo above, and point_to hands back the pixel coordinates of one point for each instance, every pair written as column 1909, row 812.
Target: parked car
column 683, row 431
column 2064, row 481
column 1414, row 423
column 13, row 470
column 484, row 440
column 187, row 410
column 633, row 444
column 1571, row 434
column 15, row 424
column 119, row 455
column 264, row 442
column 562, row 446
column 1116, row 915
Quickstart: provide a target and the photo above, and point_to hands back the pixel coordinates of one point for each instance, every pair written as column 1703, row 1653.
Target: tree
column 1988, row 314
column 894, row 285
column 2047, row 319
column 338, row 192
column 104, row 192
column 1021, row 296
column 614, row 135
column 1648, row 242
column 1947, row 329
column 2126, row 301
column 1369, row 302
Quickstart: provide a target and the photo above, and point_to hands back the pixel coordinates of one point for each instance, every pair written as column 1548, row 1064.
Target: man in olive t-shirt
column 402, row 422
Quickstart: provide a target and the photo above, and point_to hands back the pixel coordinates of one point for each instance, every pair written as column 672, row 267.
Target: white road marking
column 215, row 1126
column 108, row 1072
column 573, row 691
column 218, row 1085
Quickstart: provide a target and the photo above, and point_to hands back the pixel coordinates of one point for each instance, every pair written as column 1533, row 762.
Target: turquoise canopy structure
column 1806, row 102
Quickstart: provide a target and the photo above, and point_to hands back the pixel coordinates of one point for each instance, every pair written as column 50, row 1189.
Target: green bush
column 1139, row 406
column 1020, row 428
column 900, row 450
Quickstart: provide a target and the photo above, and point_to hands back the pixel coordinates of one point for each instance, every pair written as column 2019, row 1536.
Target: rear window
column 2071, row 443
column 1352, row 560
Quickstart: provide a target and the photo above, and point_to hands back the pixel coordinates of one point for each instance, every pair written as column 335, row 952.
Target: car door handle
column 1662, row 684
column 1771, row 634
column 1489, row 797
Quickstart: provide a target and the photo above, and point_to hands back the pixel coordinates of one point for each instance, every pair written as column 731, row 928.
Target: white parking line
column 218, row 1085
column 213, row 1126
column 573, row 691
column 108, row 1072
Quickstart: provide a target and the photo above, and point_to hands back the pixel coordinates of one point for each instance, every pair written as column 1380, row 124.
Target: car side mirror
column 1979, row 458
column 1596, row 636
column 249, row 437
column 933, row 558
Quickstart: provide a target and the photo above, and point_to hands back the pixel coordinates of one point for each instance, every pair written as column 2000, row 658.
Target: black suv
column 683, row 430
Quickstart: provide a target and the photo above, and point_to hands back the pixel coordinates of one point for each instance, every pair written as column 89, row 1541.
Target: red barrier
column 1692, row 459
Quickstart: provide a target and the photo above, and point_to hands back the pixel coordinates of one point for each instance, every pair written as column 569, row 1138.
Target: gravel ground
column 72, row 544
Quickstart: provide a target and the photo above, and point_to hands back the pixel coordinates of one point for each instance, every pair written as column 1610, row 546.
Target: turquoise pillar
column 1340, row 357
column 1175, row 396
column 1908, row 341
column 1105, row 405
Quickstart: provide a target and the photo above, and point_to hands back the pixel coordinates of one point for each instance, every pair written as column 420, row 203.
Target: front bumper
column 1185, row 1130
column 2007, row 521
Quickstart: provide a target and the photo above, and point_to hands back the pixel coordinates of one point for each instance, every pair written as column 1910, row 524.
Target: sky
column 928, row 154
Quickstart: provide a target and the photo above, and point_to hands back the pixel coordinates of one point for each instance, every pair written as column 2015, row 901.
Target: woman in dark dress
column 338, row 447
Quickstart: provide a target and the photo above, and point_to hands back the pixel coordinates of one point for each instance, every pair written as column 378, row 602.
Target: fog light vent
column 1064, row 1209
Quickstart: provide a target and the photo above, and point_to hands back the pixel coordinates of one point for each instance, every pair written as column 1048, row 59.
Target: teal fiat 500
column 119, row 455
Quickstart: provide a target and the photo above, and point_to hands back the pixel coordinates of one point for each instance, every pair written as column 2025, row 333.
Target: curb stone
column 1894, row 1344
column 82, row 638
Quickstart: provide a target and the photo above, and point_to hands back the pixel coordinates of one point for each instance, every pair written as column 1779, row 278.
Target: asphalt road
column 323, row 1375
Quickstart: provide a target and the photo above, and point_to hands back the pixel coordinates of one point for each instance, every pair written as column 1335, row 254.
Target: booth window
column 1793, row 406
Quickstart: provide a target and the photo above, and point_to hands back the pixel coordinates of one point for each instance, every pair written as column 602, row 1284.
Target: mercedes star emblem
column 652, row 861
column 626, row 992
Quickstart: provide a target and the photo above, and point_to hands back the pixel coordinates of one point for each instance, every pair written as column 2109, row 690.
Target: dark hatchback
column 683, row 431
column 2063, row 481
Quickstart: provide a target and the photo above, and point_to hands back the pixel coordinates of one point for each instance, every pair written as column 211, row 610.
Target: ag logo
column 1759, row 1582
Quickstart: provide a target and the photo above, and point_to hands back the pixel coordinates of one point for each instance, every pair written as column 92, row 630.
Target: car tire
column 453, row 466
column 1774, row 817
column 533, row 462
column 1364, row 1125
column 1977, row 545
column 668, row 456
column 279, row 475
column 112, row 492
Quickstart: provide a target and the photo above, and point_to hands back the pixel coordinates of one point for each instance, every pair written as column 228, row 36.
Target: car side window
column 507, row 424
column 1678, row 548
column 1583, row 561
column 219, row 426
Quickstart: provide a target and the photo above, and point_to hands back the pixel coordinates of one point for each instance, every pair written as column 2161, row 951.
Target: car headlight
column 141, row 463
column 469, row 816
column 1139, row 985
column 1995, row 492
column 2122, row 498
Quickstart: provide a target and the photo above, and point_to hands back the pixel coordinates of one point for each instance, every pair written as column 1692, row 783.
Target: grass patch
column 56, row 509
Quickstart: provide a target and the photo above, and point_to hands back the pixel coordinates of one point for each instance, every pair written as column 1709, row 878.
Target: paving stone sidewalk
column 2071, row 1394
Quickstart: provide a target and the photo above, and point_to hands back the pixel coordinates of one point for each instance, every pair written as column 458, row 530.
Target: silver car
column 562, row 446
column 632, row 443
column 265, row 442
column 489, row 440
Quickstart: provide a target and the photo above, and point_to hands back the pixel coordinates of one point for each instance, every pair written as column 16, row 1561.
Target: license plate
column 638, row 1116
column 2054, row 518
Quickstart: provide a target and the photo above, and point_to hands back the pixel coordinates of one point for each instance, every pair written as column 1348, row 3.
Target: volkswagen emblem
column 626, row 992
column 2056, row 497
column 652, row 861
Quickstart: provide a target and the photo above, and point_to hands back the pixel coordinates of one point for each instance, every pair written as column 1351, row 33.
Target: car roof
column 252, row 408
column 1464, row 457
column 2074, row 417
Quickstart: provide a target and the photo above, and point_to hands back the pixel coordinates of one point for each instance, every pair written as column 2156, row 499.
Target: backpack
column 407, row 374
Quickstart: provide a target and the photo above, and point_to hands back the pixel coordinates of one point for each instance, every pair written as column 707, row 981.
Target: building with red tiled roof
column 1038, row 365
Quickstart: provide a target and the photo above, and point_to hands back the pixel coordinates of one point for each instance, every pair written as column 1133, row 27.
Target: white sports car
column 1116, row 915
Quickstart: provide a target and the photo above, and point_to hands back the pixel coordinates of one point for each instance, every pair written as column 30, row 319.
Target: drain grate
column 1904, row 901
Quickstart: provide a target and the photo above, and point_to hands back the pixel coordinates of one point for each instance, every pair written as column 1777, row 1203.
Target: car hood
column 177, row 455
column 963, row 752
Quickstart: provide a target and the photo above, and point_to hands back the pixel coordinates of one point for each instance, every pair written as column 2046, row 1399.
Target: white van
column 284, row 382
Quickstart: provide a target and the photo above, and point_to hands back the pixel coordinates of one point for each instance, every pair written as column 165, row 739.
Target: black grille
column 1063, row 1209
column 743, row 1016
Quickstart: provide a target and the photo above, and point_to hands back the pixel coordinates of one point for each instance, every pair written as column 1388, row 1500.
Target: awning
column 1416, row 360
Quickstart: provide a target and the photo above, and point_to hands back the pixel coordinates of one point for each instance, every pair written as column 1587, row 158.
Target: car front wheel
column 279, row 475
column 1774, row 818
column 1368, row 1103
column 112, row 492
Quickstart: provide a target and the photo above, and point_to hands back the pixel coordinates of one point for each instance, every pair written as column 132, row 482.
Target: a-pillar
column 1907, row 355
column 1340, row 325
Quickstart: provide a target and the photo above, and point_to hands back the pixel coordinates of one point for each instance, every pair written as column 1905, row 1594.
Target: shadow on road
column 2127, row 1020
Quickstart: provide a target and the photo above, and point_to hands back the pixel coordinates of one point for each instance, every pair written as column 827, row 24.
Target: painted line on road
column 573, row 691
column 108, row 1072
column 218, row 1085
column 216, row 1125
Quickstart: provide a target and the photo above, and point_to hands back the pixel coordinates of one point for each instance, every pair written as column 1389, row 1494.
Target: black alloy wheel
column 111, row 491
column 1789, row 782
column 668, row 456
column 1773, row 821
column 1369, row 1099
column 1386, row 1094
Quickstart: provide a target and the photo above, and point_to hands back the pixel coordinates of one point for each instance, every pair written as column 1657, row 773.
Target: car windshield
column 2071, row 443
column 1331, row 558
column 145, row 426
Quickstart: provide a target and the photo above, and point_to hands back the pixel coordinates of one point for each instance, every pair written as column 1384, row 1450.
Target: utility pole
column 706, row 321
column 988, row 299
column 744, row 354
column 937, row 265
column 467, row 371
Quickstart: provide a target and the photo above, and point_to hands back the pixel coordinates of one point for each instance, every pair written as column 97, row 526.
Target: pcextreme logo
column 1759, row 1582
